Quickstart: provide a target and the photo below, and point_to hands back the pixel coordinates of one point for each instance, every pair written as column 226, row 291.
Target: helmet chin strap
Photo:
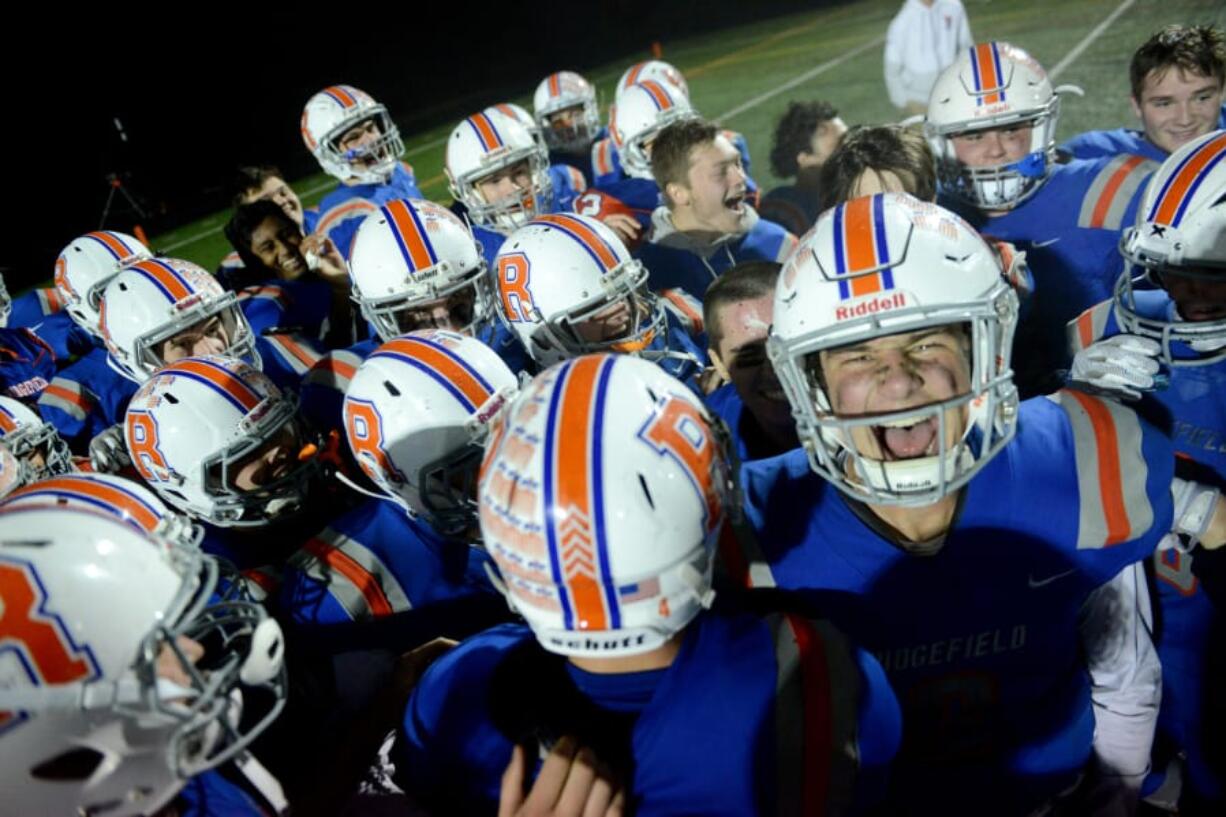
column 909, row 476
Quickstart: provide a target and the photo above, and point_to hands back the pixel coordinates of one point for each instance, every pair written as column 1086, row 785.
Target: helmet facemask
column 513, row 211
column 579, row 134
column 30, row 443
column 1184, row 342
column 967, row 429
column 193, row 313
column 469, row 302
column 382, row 153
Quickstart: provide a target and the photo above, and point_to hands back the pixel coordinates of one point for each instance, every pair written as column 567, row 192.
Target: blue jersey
column 735, row 681
column 32, row 308
column 980, row 638
column 303, row 306
column 27, row 364
column 1096, row 144
column 1070, row 231
column 86, row 398
column 375, row 561
column 673, row 261
column 210, row 794
column 342, row 210
column 791, row 206
column 637, row 198
column 42, row 311
column 1188, row 621
column 748, row 439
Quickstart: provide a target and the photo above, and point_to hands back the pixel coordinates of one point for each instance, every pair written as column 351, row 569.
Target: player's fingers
column 579, row 780
column 600, row 795
column 511, row 793
column 617, row 807
column 552, row 777
column 1135, row 343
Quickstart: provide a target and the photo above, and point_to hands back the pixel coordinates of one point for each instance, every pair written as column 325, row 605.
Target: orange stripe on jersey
column 357, row 575
column 576, row 538
column 683, row 304
column 339, row 213
column 116, row 246
column 1110, row 479
column 107, row 494
column 414, row 242
column 1103, row 205
column 1173, row 197
column 1085, row 327
column 342, row 95
column 340, row 367
column 658, row 94
column 224, row 380
column 604, row 157
column 165, row 278
column 818, row 721
column 304, row 355
column 586, row 236
column 442, row 363
column 67, row 396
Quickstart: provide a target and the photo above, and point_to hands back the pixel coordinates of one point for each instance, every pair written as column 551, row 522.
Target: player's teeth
column 899, row 423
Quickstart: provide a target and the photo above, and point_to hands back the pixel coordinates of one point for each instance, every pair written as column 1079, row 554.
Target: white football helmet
column 484, row 144
column 154, row 300
column 6, row 303
column 564, row 269
column 411, row 252
column 641, row 112
column 994, row 85
column 334, row 111
column 86, row 265
column 33, row 441
column 90, row 721
column 417, row 413
column 196, row 424
column 128, row 501
column 1180, row 231
column 602, row 494
column 656, row 70
column 520, row 114
column 562, row 91
column 878, row 266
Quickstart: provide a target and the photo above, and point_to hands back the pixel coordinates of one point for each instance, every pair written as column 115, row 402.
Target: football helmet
column 34, row 442
column 994, row 85
column 520, row 114
column 155, row 300
column 1180, row 231
column 409, row 253
column 417, row 413
column 563, row 270
column 197, row 424
column 656, row 70
column 332, row 113
column 641, row 112
column 878, row 266
column 484, row 144
column 128, row 501
column 602, row 493
column 86, row 265
column 564, row 91
column 102, row 711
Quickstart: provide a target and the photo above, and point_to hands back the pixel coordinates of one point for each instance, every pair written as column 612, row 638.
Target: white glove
column 1194, row 506
column 108, row 452
column 1122, row 364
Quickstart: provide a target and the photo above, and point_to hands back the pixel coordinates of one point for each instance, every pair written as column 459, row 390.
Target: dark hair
column 670, row 152
column 902, row 151
column 749, row 279
column 239, row 229
column 252, row 177
column 794, row 133
column 1196, row 49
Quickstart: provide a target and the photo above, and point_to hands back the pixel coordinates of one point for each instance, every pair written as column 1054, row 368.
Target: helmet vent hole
column 652, row 395
column 123, row 287
column 77, row 764
column 391, row 388
column 170, row 398
column 647, row 491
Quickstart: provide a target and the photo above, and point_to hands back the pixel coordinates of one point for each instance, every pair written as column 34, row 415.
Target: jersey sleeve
column 323, row 388
column 1094, row 324
column 1124, row 469
column 1111, row 199
column 340, row 223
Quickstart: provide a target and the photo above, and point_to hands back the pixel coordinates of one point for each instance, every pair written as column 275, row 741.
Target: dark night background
column 200, row 89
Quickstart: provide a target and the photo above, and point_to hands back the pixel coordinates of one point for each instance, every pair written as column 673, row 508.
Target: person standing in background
column 922, row 41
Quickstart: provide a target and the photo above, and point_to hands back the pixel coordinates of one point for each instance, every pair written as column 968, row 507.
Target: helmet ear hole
column 646, row 491
column 75, row 764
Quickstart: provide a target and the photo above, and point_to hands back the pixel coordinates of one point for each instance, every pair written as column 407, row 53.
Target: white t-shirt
column 923, row 41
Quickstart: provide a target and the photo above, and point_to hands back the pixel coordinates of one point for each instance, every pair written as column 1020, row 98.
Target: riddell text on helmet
column 589, row 643
column 871, row 306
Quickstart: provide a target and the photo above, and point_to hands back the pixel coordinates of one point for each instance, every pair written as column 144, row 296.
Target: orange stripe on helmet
column 589, row 237
column 342, row 95
column 164, row 277
column 414, row 242
column 124, row 503
column 485, row 130
column 555, row 87
column 861, row 250
column 443, row 364
column 1178, row 187
column 222, row 378
column 574, row 528
column 633, row 76
column 116, row 246
column 662, row 99
column 8, row 423
column 306, row 134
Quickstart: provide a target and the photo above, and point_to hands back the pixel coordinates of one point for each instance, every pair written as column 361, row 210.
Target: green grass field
column 728, row 69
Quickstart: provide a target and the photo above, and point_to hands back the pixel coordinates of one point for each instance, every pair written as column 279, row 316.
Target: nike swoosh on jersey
column 1036, row 583
column 1047, row 243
